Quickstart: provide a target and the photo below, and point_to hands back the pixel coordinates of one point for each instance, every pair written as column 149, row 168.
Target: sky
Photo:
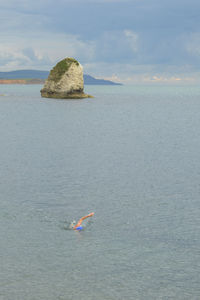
column 130, row 41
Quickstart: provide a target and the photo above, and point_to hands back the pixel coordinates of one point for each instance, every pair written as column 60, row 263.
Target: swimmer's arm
column 83, row 218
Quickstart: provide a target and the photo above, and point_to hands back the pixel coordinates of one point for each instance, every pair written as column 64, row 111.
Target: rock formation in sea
column 65, row 81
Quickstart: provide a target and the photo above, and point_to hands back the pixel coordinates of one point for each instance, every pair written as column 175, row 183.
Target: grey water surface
column 131, row 155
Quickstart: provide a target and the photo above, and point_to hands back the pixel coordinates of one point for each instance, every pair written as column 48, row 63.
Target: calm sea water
column 132, row 156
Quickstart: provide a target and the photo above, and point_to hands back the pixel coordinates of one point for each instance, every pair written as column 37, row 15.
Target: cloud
column 132, row 39
column 43, row 52
column 129, row 39
column 139, row 74
column 44, row 49
column 162, row 79
column 193, row 44
column 115, row 46
column 19, row 58
column 28, row 5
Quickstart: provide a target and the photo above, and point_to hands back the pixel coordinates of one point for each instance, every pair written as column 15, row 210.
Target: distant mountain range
column 37, row 76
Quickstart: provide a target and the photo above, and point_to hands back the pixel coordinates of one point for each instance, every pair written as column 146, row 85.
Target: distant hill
column 24, row 74
column 42, row 75
column 91, row 80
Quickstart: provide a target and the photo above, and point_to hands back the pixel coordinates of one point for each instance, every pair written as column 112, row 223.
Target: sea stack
column 65, row 81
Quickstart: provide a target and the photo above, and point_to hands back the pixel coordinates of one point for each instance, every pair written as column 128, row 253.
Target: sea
column 131, row 155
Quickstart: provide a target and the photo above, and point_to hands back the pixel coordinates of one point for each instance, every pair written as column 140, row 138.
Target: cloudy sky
column 126, row 40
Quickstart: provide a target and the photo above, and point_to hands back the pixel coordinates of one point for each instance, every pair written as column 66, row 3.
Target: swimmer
column 78, row 226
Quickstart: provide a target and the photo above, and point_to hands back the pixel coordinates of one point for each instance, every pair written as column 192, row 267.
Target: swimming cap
column 79, row 228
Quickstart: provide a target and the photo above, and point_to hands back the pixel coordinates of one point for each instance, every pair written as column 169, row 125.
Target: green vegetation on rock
column 61, row 67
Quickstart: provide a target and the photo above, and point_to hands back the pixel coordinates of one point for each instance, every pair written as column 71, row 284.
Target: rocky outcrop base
column 47, row 94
